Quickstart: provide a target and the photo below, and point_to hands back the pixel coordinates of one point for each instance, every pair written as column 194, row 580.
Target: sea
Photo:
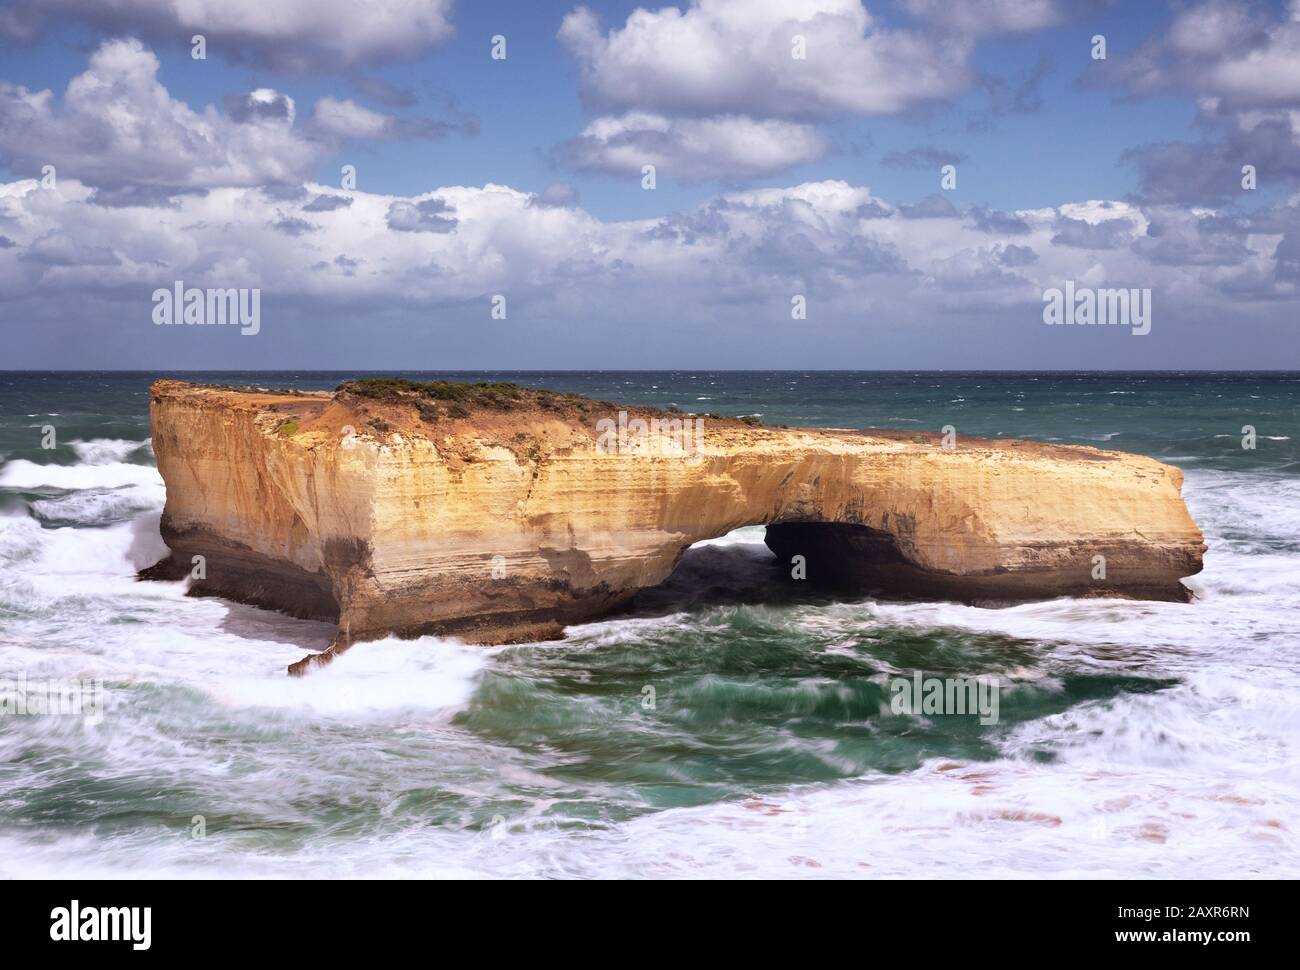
column 720, row 727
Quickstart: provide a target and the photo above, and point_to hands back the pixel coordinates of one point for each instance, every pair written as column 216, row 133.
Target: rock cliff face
column 499, row 514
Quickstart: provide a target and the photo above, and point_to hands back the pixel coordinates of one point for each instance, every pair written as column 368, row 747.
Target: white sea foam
column 1194, row 777
column 109, row 451
column 28, row 474
column 747, row 535
column 99, row 506
column 375, row 678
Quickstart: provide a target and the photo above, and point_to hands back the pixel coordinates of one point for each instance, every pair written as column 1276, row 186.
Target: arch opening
column 758, row 564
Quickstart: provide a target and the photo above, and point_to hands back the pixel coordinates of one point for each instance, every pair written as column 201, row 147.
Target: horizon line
column 652, row 370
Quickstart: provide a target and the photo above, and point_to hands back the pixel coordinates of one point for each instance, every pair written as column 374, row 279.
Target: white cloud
column 1211, row 27
column 299, row 35
column 1268, row 73
column 735, row 57
column 1244, row 65
column 340, row 119
column 244, row 215
column 694, row 148
column 118, row 126
column 429, row 215
column 558, row 193
column 347, row 119
column 459, row 243
column 367, row 282
column 119, row 130
column 1223, row 50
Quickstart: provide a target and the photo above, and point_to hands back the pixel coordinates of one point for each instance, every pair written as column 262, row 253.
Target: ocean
column 1134, row 739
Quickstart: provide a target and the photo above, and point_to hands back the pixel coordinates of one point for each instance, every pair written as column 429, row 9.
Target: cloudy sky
column 775, row 176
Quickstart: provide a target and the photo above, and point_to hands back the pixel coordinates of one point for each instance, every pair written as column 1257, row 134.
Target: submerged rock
column 500, row 514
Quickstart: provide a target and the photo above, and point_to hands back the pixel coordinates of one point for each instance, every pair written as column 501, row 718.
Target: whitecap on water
column 1193, row 777
column 99, row 506
column 29, row 474
column 109, row 451
column 375, row 678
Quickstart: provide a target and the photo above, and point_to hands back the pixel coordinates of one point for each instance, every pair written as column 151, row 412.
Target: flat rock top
column 435, row 410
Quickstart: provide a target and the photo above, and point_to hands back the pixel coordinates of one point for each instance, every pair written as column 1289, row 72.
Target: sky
column 426, row 184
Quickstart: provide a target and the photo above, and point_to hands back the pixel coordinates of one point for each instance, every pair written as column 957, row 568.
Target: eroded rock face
column 501, row 515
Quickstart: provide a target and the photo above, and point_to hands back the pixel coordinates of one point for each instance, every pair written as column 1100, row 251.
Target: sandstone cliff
column 500, row 514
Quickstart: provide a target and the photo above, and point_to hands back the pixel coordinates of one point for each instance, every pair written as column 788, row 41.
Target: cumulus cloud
column 344, row 118
column 118, row 126
column 294, row 35
column 1176, row 237
column 1244, row 66
column 719, row 57
column 994, row 221
column 293, row 226
column 558, row 194
column 327, row 203
column 1223, row 49
column 1210, row 171
column 118, row 129
column 931, row 207
column 1287, row 257
column 719, row 267
column 263, row 104
column 428, row 215
column 1013, row 255
column 693, row 148
column 741, row 66
column 229, row 205
column 731, row 88
column 1086, row 234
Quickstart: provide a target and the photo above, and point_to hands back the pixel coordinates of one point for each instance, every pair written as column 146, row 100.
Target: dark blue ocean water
column 1176, row 417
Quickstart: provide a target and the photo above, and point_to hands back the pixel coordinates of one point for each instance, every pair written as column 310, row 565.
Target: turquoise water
column 1133, row 739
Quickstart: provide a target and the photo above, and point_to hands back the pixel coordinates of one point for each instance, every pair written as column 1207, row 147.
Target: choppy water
column 1135, row 739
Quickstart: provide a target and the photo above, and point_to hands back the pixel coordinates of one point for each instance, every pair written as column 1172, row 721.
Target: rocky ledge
column 500, row 514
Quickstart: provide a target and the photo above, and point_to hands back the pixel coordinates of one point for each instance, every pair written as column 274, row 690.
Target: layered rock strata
column 499, row 514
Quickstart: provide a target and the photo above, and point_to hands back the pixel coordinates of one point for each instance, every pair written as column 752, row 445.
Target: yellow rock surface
column 503, row 522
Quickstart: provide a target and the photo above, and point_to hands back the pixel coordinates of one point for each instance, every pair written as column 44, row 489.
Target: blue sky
column 1123, row 172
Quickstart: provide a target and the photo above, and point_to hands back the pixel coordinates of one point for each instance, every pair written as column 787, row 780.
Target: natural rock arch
column 504, row 515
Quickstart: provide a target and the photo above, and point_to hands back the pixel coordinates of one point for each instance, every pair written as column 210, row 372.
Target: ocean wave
column 20, row 538
column 949, row 818
column 99, row 506
column 28, row 474
column 109, row 451
column 375, row 678
column 1137, row 738
column 1250, row 506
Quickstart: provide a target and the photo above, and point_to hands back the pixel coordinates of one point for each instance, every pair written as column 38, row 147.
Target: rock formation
column 499, row 514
